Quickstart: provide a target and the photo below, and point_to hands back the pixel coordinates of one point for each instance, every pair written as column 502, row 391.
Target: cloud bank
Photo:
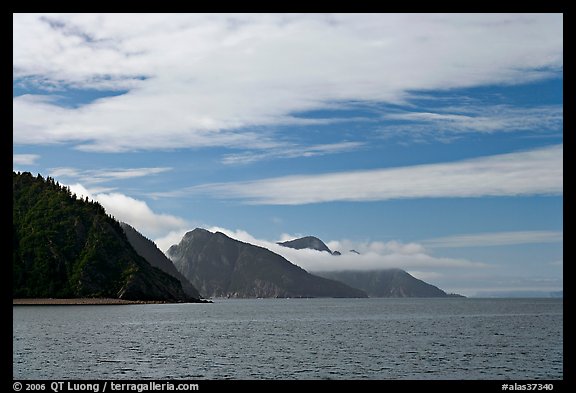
column 373, row 255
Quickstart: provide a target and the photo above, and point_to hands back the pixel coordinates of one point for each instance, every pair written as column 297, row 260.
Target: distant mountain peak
column 197, row 232
column 306, row 242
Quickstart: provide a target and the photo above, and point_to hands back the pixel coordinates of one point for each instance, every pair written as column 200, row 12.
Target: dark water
column 293, row 339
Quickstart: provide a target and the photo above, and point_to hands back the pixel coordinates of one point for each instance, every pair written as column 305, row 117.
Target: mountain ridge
column 65, row 247
column 387, row 283
column 219, row 266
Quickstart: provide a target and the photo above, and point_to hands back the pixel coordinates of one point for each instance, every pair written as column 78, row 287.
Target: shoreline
column 82, row 301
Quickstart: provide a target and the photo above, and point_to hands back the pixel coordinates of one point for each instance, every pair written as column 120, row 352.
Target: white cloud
column 534, row 172
column 374, row 255
column 377, row 247
column 93, row 176
column 24, row 159
column 55, row 50
column 138, row 214
column 496, row 239
column 134, row 212
column 205, row 79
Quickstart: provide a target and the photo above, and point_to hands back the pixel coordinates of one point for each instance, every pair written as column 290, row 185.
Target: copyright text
column 103, row 386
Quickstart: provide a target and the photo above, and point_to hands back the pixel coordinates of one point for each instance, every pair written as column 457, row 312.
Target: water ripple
column 296, row 339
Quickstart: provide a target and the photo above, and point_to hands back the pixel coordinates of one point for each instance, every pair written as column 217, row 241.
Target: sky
column 427, row 142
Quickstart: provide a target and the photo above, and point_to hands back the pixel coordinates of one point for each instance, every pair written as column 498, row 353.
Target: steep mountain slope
column 386, row 283
column 223, row 267
column 66, row 247
column 147, row 249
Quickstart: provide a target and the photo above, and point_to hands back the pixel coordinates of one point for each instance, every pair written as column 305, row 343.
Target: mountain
column 223, row 267
column 310, row 242
column 67, row 247
column 386, row 283
column 147, row 249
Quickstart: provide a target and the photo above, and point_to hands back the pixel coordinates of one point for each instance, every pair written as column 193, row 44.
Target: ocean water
column 478, row 339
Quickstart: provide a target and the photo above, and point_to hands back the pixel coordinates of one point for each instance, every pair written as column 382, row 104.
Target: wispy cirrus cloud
column 291, row 152
column 93, row 176
column 458, row 121
column 532, row 172
column 495, row 239
column 196, row 80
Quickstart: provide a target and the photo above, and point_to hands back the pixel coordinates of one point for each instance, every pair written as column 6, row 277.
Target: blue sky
column 429, row 142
